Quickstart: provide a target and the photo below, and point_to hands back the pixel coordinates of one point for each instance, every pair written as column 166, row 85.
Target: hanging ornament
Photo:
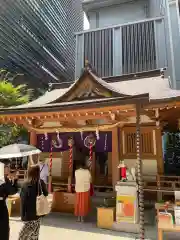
column 157, row 117
column 105, row 143
column 81, row 135
column 57, row 141
column 42, row 143
column 97, row 133
column 58, row 136
column 89, row 140
column 46, row 136
column 89, row 143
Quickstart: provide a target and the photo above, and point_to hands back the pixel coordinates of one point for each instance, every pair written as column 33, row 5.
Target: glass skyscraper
column 37, row 38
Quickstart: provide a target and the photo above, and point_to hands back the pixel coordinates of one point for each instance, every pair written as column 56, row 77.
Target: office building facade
column 130, row 36
column 37, row 39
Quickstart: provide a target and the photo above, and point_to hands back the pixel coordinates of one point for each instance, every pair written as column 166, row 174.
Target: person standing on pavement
column 82, row 188
column 44, row 171
column 8, row 186
column 29, row 193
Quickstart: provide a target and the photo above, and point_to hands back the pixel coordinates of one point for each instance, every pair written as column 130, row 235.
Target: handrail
column 119, row 25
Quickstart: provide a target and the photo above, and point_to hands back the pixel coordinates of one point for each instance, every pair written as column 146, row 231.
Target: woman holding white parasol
column 8, row 186
column 8, row 182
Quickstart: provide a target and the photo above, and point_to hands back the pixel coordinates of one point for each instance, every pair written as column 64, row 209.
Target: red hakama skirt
column 82, row 204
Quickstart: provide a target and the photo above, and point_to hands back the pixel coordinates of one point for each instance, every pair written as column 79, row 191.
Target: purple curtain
column 103, row 144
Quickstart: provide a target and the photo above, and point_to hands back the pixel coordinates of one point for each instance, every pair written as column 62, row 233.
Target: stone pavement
column 58, row 226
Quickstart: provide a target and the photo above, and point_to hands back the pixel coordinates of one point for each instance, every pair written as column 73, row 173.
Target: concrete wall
column 174, row 21
column 118, row 14
column 169, row 9
column 167, row 31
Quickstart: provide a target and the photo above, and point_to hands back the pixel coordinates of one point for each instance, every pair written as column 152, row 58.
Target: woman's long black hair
column 33, row 175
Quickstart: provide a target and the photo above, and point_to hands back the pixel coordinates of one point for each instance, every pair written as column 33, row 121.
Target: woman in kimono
column 8, row 186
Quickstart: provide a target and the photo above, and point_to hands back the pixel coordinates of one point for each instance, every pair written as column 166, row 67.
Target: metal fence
column 130, row 48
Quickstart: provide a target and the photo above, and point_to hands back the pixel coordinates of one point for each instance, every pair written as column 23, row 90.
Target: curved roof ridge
column 107, row 85
column 97, row 79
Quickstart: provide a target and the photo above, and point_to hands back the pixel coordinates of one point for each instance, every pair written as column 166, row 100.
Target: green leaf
column 11, row 95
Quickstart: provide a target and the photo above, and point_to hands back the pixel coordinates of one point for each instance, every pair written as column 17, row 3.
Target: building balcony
column 94, row 4
column 123, row 49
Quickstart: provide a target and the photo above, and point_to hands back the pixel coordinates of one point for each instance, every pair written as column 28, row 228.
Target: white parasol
column 18, row 150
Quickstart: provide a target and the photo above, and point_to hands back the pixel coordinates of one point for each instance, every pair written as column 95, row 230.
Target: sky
column 86, row 23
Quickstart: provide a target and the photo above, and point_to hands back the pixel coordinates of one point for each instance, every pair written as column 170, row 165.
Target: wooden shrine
column 104, row 107
column 102, row 121
column 107, row 108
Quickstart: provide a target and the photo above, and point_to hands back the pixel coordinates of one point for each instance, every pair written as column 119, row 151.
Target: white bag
column 42, row 205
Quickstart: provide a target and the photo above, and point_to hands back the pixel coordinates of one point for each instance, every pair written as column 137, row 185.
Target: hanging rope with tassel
column 92, row 142
column 91, row 154
column 70, row 144
column 50, row 168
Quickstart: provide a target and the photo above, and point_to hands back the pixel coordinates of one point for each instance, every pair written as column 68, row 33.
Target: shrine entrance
column 97, row 157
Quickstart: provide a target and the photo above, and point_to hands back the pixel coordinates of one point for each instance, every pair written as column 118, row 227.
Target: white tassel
column 46, row 136
column 58, row 136
column 97, row 133
column 42, row 143
column 105, row 144
column 81, row 135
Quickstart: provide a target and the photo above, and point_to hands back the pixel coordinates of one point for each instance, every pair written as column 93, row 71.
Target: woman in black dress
column 8, row 186
column 29, row 193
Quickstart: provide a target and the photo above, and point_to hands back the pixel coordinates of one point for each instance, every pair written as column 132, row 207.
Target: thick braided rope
column 70, row 156
column 79, row 129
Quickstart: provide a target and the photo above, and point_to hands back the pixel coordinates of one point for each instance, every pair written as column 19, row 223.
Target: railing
column 161, row 184
column 123, row 49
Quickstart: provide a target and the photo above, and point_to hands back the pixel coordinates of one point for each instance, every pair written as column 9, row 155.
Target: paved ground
column 58, row 226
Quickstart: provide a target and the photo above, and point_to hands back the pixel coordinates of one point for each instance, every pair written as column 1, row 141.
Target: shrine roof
column 156, row 87
column 76, row 104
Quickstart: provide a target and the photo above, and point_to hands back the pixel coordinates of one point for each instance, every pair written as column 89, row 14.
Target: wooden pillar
column 122, row 143
column 115, row 156
column 33, row 139
column 33, row 142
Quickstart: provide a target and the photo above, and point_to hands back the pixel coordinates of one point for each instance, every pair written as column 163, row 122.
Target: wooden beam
column 77, row 112
column 168, row 113
column 115, row 156
column 164, row 104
